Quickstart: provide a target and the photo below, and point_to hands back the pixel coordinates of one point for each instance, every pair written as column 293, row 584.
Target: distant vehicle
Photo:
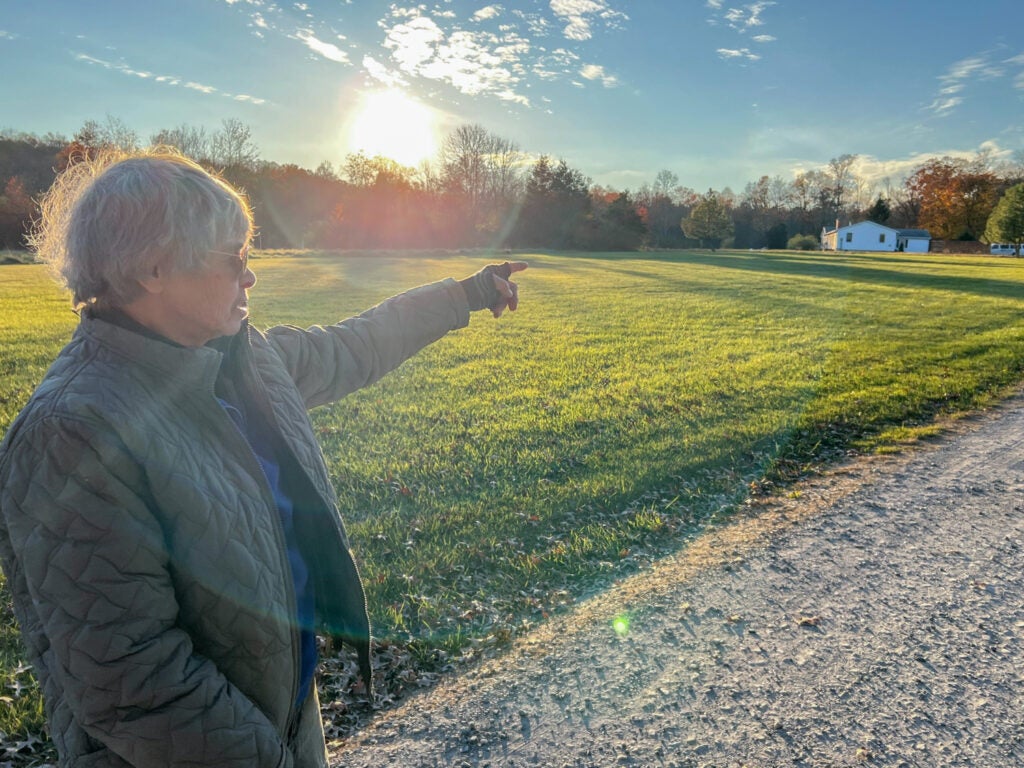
column 1003, row 249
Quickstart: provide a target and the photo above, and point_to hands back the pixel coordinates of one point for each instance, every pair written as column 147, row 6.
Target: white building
column 871, row 236
column 913, row 240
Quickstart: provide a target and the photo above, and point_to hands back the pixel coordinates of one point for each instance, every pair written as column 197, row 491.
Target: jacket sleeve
column 98, row 575
column 328, row 363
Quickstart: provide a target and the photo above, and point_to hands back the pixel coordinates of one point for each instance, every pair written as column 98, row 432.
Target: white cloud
column 764, row 38
column 742, row 19
column 414, row 43
column 381, row 73
column 737, row 53
column 325, row 49
column 537, row 25
column 473, row 62
column 555, row 64
column 579, row 16
column 596, row 72
column 171, row 80
column 514, row 97
column 493, row 51
column 487, row 12
column 200, row 87
column 5, row 35
column 874, row 171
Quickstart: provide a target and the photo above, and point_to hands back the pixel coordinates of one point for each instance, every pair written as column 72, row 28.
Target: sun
column 395, row 125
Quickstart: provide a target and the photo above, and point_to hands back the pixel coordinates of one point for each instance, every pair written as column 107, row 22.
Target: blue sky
column 715, row 91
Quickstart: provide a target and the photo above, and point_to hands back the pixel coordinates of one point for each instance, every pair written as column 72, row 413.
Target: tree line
column 484, row 191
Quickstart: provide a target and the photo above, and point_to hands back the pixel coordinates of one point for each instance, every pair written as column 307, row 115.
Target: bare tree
column 189, row 140
column 232, row 146
column 756, row 197
column 843, row 181
column 112, row 133
column 485, row 171
column 666, row 183
column 325, row 171
column 779, row 194
column 464, row 159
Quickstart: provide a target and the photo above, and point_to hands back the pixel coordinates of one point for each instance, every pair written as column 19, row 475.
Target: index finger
column 516, row 266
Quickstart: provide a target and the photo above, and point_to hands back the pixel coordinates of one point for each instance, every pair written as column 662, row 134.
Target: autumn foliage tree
column 481, row 191
column 16, row 210
column 955, row 196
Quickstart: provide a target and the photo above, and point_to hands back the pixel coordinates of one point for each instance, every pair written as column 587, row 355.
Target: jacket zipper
column 282, row 549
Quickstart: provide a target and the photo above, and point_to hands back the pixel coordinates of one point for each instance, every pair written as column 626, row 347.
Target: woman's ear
column 155, row 279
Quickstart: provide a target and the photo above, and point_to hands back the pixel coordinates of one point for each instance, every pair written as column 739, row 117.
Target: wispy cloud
column 554, row 65
column 171, row 80
column 742, row 20
column 579, row 16
column 5, row 35
column 325, row 49
column 963, row 74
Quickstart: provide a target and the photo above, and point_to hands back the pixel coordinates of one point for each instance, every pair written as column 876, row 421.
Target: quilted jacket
column 143, row 547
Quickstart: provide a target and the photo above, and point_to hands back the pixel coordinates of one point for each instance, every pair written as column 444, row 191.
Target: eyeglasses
column 242, row 257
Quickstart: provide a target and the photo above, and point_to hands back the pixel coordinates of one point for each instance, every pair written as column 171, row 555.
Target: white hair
column 108, row 220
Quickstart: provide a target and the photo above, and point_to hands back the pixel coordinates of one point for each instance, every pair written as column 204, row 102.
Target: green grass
column 520, row 464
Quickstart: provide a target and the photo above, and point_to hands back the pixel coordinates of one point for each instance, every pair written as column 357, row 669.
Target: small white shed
column 913, row 240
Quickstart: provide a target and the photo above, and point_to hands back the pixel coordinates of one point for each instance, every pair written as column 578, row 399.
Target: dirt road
column 875, row 620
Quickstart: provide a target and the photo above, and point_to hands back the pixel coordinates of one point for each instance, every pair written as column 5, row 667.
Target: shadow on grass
column 855, row 268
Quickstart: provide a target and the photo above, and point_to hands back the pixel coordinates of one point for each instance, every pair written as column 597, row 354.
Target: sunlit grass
column 522, row 463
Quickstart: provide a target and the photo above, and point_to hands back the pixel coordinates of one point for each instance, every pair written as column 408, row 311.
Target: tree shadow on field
column 846, row 268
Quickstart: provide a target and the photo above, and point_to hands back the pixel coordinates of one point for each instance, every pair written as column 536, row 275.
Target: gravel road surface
column 873, row 618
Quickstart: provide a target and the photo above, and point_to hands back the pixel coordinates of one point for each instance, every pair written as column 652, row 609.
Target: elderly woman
column 167, row 526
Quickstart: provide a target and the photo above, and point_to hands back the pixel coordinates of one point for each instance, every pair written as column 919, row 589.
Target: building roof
column 851, row 225
column 900, row 232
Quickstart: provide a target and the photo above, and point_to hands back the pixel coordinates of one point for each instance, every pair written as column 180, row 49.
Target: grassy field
column 634, row 399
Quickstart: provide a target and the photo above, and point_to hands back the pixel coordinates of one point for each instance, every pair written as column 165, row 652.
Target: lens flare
column 621, row 625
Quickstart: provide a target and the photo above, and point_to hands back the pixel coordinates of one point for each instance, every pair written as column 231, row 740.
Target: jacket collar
column 167, row 359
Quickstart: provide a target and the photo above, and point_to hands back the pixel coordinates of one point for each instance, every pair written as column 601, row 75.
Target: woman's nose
column 248, row 278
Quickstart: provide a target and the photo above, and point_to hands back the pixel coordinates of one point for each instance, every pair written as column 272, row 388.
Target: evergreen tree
column 879, row 212
column 1006, row 224
column 709, row 222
